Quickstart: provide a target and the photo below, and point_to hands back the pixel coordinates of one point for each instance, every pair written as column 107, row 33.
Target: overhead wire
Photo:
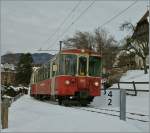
column 63, row 22
column 121, row 12
column 75, row 20
column 82, row 13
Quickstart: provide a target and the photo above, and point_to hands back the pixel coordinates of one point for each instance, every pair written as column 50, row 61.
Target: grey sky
column 26, row 25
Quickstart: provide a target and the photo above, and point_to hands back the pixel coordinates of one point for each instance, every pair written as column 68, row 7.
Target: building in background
column 8, row 74
column 142, row 33
column 134, row 61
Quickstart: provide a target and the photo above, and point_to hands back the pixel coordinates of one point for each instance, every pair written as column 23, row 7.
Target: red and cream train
column 72, row 74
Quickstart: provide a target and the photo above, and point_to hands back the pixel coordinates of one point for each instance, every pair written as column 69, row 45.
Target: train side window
column 54, row 69
column 62, row 65
column 42, row 74
column 39, row 75
column 94, row 66
column 35, row 77
column 49, row 70
column 46, row 73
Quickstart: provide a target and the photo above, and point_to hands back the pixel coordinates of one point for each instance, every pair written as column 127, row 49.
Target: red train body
column 71, row 75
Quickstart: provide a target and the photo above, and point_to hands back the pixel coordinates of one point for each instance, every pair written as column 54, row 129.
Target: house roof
column 143, row 18
column 142, row 27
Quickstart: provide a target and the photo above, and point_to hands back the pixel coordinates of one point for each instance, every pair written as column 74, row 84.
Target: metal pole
column 123, row 104
column 60, row 45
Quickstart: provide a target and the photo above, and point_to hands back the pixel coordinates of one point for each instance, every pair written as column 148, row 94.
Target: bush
column 115, row 75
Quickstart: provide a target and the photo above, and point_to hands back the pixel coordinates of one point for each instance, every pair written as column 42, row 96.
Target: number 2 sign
column 108, row 98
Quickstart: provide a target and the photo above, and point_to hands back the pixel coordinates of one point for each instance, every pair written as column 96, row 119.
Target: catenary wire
column 108, row 21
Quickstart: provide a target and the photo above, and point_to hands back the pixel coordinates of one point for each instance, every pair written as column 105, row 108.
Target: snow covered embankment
column 136, row 76
column 29, row 115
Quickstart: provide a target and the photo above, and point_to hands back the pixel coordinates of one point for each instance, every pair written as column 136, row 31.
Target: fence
column 134, row 86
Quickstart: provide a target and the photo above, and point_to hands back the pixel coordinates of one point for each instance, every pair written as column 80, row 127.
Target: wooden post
column 4, row 113
column 118, row 85
column 134, row 88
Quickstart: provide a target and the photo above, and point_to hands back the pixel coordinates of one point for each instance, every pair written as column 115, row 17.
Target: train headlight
column 96, row 84
column 67, row 82
column 82, row 50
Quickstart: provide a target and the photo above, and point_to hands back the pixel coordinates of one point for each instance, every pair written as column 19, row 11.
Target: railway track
column 130, row 115
column 112, row 112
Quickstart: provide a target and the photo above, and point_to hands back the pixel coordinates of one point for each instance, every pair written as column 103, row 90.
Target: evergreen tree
column 24, row 69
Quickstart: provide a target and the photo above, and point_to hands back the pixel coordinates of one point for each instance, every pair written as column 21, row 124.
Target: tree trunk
column 145, row 67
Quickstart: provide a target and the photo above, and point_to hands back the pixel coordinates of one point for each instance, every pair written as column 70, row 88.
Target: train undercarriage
column 79, row 99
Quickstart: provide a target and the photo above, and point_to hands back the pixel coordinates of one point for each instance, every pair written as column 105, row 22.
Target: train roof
column 80, row 51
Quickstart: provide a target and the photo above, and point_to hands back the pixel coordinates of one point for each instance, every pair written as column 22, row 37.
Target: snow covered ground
column 134, row 105
column 29, row 115
column 134, row 75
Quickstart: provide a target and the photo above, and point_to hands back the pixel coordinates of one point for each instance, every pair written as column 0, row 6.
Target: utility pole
column 52, row 49
column 60, row 45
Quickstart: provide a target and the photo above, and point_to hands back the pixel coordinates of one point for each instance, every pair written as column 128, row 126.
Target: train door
column 83, row 65
column 53, row 75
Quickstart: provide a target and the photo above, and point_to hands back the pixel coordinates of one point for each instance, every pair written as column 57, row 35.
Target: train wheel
column 60, row 101
column 66, row 103
column 83, row 102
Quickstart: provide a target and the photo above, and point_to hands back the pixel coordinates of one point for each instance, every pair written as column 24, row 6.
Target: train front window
column 82, row 66
column 94, row 66
column 68, row 64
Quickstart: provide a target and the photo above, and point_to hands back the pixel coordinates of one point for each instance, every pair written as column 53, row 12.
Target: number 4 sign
column 109, row 98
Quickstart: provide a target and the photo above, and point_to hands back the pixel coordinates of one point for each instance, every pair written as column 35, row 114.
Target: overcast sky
column 28, row 25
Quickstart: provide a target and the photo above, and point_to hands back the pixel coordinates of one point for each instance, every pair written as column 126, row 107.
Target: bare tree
column 80, row 40
column 106, row 45
column 138, row 43
column 99, row 41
